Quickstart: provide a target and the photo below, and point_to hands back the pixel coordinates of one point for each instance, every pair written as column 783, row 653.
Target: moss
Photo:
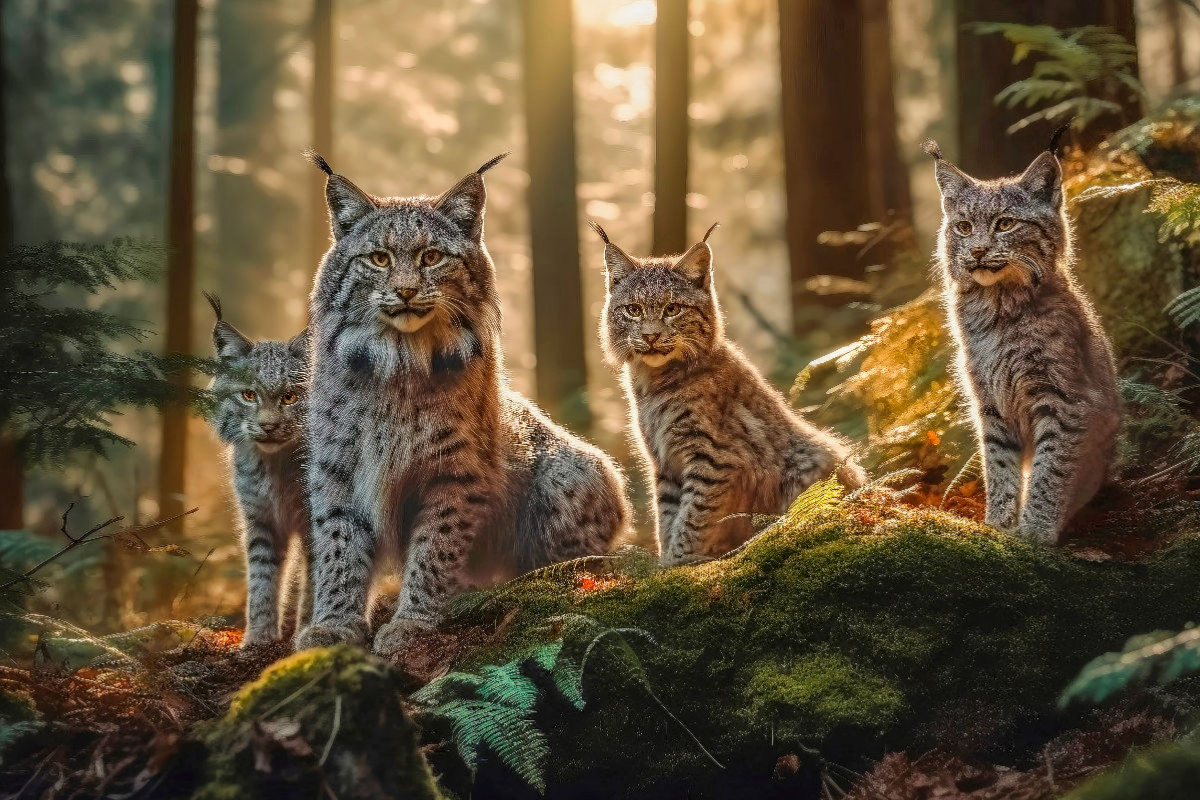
column 859, row 625
column 273, row 739
column 1166, row 772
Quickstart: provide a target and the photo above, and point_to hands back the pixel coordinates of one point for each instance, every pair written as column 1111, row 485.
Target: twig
column 294, row 694
column 187, row 586
column 337, row 724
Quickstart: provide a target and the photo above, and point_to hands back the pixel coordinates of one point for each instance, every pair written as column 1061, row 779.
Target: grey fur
column 718, row 438
column 1033, row 357
column 266, row 456
column 419, row 449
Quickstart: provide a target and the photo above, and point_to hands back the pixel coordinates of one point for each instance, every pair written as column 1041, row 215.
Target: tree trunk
column 888, row 193
column 180, row 260
column 985, row 67
column 671, row 71
column 12, row 473
column 322, row 125
column 558, row 328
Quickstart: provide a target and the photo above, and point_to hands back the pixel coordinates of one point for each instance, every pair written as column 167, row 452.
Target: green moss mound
column 854, row 626
column 329, row 717
column 1166, row 772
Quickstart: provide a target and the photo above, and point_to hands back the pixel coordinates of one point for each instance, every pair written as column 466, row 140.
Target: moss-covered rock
column 1166, row 772
column 330, row 716
column 854, row 626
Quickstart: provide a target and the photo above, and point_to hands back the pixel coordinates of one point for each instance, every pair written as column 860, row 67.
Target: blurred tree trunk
column 671, row 72
column 985, row 67
column 322, row 125
column 181, row 255
column 841, row 163
column 12, row 473
column 558, row 328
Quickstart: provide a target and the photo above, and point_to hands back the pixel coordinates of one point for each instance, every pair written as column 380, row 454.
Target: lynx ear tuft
column 492, row 163
column 318, row 161
column 931, row 147
column 599, row 231
column 1058, row 134
column 215, row 302
column 708, row 232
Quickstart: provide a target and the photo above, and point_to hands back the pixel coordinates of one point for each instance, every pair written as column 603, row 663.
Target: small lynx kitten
column 418, row 446
column 1032, row 355
column 718, row 438
column 259, row 390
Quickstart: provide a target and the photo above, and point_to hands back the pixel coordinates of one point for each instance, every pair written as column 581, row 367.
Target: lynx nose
column 268, row 427
column 650, row 338
column 407, row 294
column 978, row 252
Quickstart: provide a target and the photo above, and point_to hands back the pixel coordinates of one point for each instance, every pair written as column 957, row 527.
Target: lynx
column 718, row 439
column 259, row 392
column 1033, row 358
column 418, row 447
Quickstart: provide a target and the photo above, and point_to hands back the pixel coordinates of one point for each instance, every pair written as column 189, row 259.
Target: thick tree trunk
column 888, row 191
column 322, row 125
column 12, row 473
column 180, row 240
column 671, row 72
column 985, row 67
column 558, row 328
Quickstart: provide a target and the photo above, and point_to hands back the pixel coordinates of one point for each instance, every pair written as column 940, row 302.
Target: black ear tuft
column 215, row 302
column 708, row 233
column 1058, row 134
column 316, row 160
column 491, row 163
column 599, row 231
column 931, row 147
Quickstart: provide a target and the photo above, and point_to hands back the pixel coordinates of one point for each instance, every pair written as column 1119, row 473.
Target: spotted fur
column 259, row 391
column 419, row 448
column 1033, row 358
column 718, row 439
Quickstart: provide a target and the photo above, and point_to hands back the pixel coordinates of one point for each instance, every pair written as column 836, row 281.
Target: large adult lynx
column 417, row 445
column 259, row 391
column 1032, row 356
column 720, row 441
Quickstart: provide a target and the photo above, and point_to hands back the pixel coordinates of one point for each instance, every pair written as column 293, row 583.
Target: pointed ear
column 1043, row 179
column 464, row 203
column 298, row 345
column 228, row 341
column 696, row 264
column 347, row 204
column 617, row 263
column 950, row 179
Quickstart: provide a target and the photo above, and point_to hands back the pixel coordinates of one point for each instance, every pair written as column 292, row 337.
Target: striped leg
column 701, row 498
column 264, row 557
column 1059, row 431
column 667, row 499
column 1002, row 463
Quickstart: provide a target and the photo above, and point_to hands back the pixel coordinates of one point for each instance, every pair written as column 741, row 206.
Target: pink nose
column 407, row 294
column 650, row 338
column 978, row 252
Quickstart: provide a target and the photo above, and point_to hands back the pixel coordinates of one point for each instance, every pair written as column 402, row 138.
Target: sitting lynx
column 418, row 446
column 718, row 438
column 259, row 390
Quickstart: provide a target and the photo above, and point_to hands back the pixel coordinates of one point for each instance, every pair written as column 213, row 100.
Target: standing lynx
column 259, row 392
column 1033, row 358
column 718, row 438
column 418, row 446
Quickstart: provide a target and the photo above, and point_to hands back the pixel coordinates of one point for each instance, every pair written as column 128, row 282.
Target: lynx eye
column 288, row 398
column 671, row 310
column 1005, row 224
column 963, row 227
column 250, row 396
column 633, row 310
column 431, row 256
column 381, row 259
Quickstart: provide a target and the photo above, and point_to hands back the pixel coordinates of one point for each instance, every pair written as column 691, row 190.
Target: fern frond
column 1184, row 310
column 478, row 725
column 1179, row 203
column 1158, row 657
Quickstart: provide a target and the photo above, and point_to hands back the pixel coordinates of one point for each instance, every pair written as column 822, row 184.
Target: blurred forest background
column 794, row 123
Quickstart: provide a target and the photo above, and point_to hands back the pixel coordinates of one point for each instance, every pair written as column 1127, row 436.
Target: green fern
column 1152, row 658
column 1083, row 73
column 1184, row 310
column 1179, row 203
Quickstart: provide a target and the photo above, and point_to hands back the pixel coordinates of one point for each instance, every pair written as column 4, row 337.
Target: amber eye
column 633, row 310
column 1005, row 224
column 964, row 228
column 250, row 396
column 431, row 256
column 671, row 310
column 381, row 259
column 289, row 398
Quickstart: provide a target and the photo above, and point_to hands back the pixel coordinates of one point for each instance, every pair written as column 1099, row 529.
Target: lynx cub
column 1033, row 358
column 259, row 389
column 718, row 438
column 418, row 446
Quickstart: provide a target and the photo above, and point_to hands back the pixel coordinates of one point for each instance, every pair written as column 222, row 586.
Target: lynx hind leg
column 575, row 507
column 296, row 608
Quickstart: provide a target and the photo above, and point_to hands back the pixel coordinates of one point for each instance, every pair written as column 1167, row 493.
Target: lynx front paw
column 258, row 638
column 326, row 635
column 395, row 635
